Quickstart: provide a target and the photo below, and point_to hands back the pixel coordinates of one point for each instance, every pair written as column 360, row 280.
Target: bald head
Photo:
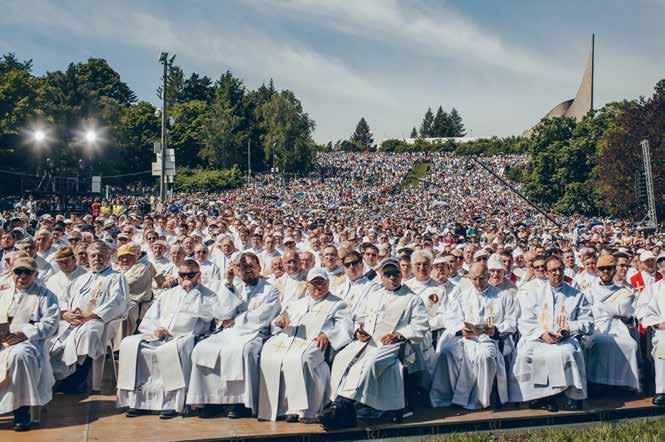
column 479, row 275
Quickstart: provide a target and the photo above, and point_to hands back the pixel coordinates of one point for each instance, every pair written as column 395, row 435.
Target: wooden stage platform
column 93, row 418
column 86, row 418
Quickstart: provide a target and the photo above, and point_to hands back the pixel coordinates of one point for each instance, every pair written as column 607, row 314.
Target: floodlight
column 90, row 136
column 172, row 59
column 39, row 136
column 163, row 56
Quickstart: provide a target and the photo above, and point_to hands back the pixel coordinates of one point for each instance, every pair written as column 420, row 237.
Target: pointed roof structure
column 579, row 106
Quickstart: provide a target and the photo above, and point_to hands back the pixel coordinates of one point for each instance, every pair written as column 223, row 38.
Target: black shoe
column 552, row 407
column 167, row 414
column 239, row 411
column 208, row 411
column 134, row 412
column 291, row 418
column 310, row 420
column 573, row 405
column 22, row 419
column 659, row 400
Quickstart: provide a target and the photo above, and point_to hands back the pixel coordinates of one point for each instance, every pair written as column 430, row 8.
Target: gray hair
column 422, row 254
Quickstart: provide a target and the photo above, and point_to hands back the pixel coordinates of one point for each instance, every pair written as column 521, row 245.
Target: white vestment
column 225, row 366
column 654, row 314
column 539, row 369
column 371, row 372
column 26, row 378
column 59, row 281
column 466, row 368
column 291, row 288
column 611, row 352
column 211, row 276
column 294, row 373
column 154, row 373
column 105, row 294
column 354, row 293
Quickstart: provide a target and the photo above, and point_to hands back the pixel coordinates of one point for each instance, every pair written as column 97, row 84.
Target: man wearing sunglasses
column 91, row 309
column 549, row 364
column 29, row 315
column 611, row 350
column 354, row 289
column 69, row 271
column 395, row 320
column 469, row 359
column 29, row 246
column 155, row 364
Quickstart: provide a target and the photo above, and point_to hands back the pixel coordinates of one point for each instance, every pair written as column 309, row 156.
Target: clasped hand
column 76, row 317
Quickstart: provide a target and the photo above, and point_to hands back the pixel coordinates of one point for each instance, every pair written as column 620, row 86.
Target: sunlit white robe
column 540, row 370
column 152, row 376
column 654, row 314
column 225, row 366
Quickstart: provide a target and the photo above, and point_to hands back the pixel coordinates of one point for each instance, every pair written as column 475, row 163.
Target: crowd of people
column 341, row 296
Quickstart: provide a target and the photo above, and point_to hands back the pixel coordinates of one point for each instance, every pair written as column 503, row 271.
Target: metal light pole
column 651, row 200
column 249, row 160
column 163, row 58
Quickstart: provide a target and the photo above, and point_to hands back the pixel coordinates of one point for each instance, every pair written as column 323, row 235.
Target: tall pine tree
column 456, row 124
column 414, row 132
column 427, row 125
column 441, row 126
column 362, row 137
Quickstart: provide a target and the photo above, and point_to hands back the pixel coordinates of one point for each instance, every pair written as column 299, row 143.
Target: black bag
column 341, row 413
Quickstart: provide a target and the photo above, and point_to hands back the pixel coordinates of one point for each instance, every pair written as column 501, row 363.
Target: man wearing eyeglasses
column 369, row 371
column 294, row 371
column 155, row 364
column 211, row 276
column 29, row 315
column 469, row 359
column 611, row 350
column 371, row 260
column 354, row 289
column 549, row 364
column 69, row 271
column 330, row 263
column 91, row 307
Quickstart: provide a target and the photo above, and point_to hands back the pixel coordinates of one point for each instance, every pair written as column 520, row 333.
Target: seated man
column 369, row 371
column 90, row 303
column 155, row 365
column 139, row 280
column 549, row 361
column 68, row 272
column 611, row 350
column 654, row 316
column 29, row 315
column 294, row 373
column 468, row 355
column 225, row 366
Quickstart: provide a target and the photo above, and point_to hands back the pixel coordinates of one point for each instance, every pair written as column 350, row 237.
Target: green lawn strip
column 419, row 171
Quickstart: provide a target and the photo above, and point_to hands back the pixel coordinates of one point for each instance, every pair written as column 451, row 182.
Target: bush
column 202, row 180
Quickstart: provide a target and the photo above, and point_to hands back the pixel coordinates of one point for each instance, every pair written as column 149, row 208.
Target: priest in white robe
column 155, row 364
column 29, row 315
column 226, row 365
column 139, row 276
column 355, row 288
column 211, row 275
column 654, row 317
column 469, row 358
column 611, row 350
column 91, row 307
column 295, row 376
column 69, row 271
column 291, row 285
column 549, row 361
column 369, row 371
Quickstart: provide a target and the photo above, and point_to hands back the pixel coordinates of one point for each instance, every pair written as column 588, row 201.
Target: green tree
column 427, row 124
column 175, row 84
column 441, row 126
column 289, row 130
column 185, row 136
column 197, row 88
column 456, row 124
column 362, row 137
column 414, row 132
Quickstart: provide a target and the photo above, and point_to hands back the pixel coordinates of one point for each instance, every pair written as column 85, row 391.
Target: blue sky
column 501, row 64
